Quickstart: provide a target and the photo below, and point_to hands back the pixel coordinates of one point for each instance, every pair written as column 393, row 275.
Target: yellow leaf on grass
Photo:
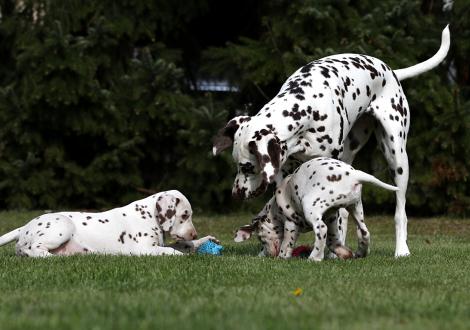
column 297, row 292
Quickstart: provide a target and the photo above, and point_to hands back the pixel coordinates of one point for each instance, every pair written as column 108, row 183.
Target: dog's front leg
column 192, row 246
column 183, row 246
column 160, row 251
column 291, row 233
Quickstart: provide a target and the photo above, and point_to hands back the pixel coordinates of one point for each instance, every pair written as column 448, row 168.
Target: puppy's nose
column 193, row 235
column 271, row 178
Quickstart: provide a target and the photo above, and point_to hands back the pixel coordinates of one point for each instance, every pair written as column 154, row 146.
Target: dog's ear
column 261, row 159
column 253, row 149
column 225, row 136
column 274, row 152
column 244, row 232
column 270, row 163
column 165, row 208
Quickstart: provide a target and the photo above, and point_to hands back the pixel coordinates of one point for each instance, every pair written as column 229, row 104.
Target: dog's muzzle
column 244, row 193
column 239, row 193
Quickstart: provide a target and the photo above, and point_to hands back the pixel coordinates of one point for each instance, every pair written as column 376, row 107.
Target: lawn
column 429, row 290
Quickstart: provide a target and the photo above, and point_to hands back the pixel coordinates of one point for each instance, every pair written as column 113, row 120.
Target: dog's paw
column 199, row 242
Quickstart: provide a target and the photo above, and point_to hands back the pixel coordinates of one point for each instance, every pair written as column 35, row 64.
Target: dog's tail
column 10, row 237
column 430, row 63
column 365, row 177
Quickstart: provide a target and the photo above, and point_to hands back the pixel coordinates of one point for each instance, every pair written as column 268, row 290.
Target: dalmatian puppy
column 134, row 229
column 307, row 200
column 329, row 107
column 269, row 227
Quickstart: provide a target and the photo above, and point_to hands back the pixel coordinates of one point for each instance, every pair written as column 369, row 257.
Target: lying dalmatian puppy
column 329, row 107
column 308, row 199
column 135, row 229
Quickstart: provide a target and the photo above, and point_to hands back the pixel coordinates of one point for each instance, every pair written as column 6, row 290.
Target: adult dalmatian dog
column 307, row 200
column 329, row 107
column 135, row 229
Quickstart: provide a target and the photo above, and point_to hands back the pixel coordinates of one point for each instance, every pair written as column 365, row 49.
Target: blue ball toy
column 210, row 247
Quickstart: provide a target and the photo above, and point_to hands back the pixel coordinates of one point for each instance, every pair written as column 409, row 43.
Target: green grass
column 429, row 290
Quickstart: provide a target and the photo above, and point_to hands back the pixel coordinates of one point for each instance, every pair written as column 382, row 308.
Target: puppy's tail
column 10, row 237
column 365, row 177
column 430, row 63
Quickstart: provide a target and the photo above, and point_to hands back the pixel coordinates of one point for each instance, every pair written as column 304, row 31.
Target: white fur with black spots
column 134, row 229
column 329, row 107
column 308, row 200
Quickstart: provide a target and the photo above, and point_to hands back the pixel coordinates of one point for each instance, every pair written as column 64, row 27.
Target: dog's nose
column 194, row 235
column 239, row 193
column 277, row 249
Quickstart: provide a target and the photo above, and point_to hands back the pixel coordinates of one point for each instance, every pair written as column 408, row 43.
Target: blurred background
column 103, row 102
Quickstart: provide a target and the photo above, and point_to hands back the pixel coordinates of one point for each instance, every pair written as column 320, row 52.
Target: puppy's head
column 174, row 214
column 267, row 227
column 256, row 151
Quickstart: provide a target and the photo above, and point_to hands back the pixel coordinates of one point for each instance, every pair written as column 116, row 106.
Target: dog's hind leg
column 333, row 240
column 291, row 233
column 391, row 134
column 314, row 217
column 46, row 236
column 356, row 139
column 37, row 251
column 363, row 236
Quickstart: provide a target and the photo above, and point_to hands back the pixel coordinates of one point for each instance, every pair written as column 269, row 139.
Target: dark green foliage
column 96, row 106
column 91, row 104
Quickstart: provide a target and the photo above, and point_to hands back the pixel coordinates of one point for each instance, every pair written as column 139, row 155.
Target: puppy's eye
column 185, row 216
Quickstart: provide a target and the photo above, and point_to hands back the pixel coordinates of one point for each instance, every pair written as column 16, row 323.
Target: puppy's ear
column 244, row 232
column 166, row 210
column 225, row 136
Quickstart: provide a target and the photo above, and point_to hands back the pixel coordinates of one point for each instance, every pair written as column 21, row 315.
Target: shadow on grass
column 242, row 249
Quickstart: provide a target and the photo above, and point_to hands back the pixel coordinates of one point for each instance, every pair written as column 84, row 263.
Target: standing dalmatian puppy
column 329, row 107
column 307, row 200
column 135, row 229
